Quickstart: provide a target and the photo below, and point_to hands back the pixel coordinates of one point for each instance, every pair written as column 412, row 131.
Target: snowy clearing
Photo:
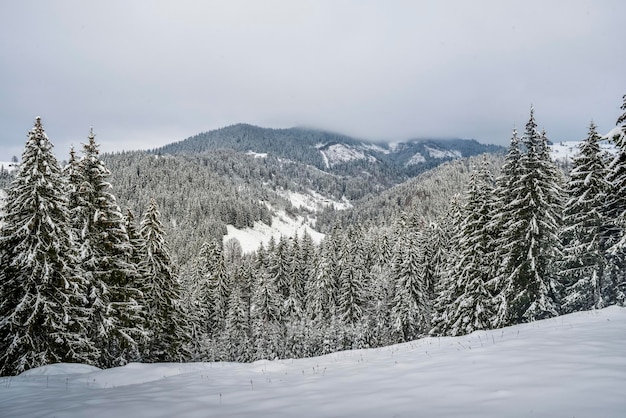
column 282, row 225
column 565, row 151
column 437, row 153
column 340, row 153
column 314, row 201
column 417, row 158
column 570, row 366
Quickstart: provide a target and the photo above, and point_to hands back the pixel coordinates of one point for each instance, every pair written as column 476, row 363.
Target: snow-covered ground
column 286, row 225
column 437, row 153
column 565, row 151
column 417, row 158
column 571, row 366
column 257, row 154
column 314, row 201
column 340, row 153
column 282, row 225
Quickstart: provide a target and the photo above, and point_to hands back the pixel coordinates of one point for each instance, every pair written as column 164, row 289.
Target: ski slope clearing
column 571, row 366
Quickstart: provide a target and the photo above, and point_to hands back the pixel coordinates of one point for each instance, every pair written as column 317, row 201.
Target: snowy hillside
column 564, row 151
column 286, row 225
column 283, row 225
column 570, row 366
column 438, row 153
column 341, row 153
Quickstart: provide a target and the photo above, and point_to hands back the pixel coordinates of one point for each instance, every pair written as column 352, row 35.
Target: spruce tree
column 106, row 254
column 411, row 308
column 235, row 339
column 446, row 292
column 352, row 279
column 43, row 317
column 166, row 321
column 615, row 233
column 584, row 253
column 471, row 303
column 526, row 281
column 266, row 318
column 323, row 292
column 199, row 300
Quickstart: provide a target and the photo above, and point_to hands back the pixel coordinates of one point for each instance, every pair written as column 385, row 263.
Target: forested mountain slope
column 331, row 152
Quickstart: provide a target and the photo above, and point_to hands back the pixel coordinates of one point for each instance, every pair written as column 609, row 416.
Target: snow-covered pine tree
column 198, row 297
column 117, row 323
column 530, row 240
column 235, row 340
column 136, row 240
column 219, row 282
column 352, row 279
column 471, row 304
column 166, row 322
column 43, row 318
column 500, row 218
column 279, row 268
column 411, row 308
column 381, row 293
column 323, row 290
column 615, row 205
column 584, row 253
column 445, row 290
column 267, row 328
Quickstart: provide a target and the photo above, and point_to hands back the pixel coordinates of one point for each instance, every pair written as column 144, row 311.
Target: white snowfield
column 571, row 366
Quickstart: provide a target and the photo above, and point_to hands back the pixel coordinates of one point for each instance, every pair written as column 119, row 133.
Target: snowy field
column 571, row 366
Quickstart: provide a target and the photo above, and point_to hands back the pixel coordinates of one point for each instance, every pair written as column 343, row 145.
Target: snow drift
column 570, row 366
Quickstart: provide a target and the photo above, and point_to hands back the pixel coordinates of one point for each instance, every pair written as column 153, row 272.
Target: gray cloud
column 145, row 73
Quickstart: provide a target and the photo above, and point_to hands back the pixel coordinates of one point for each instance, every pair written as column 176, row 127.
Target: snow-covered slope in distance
column 565, row 151
column 286, row 225
column 570, row 366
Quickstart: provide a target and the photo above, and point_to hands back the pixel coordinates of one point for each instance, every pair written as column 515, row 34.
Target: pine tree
column 165, row 317
column 43, row 318
column 411, row 307
column 105, row 254
column 352, row 279
column 471, row 304
column 615, row 233
column 236, row 336
column 526, row 281
column 219, row 282
column 266, row 318
column 584, row 261
column 323, row 291
column 199, row 300
column 446, row 292
column 381, row 294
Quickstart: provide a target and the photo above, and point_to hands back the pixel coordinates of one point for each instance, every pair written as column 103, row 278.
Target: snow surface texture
column 570, row 366
column 565, row 151
column 417, row 158
column 282, row 225
column 437, row 153
column 286, row 225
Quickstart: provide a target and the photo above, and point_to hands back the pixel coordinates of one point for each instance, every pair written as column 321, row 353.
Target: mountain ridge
column 332, row 152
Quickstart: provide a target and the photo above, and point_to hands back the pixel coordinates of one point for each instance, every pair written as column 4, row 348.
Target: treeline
column 80, row 282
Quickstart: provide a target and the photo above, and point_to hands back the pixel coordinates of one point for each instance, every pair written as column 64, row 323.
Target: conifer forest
column 107, row 259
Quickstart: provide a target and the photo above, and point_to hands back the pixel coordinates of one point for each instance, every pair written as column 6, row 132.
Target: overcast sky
column 146, row 73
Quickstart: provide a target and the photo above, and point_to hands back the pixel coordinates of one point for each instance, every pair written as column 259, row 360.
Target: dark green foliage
column 106, row 256
column 165, row 318
column 466, row 304
column 585, row 259
column 526, row 282
column 43, row 314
